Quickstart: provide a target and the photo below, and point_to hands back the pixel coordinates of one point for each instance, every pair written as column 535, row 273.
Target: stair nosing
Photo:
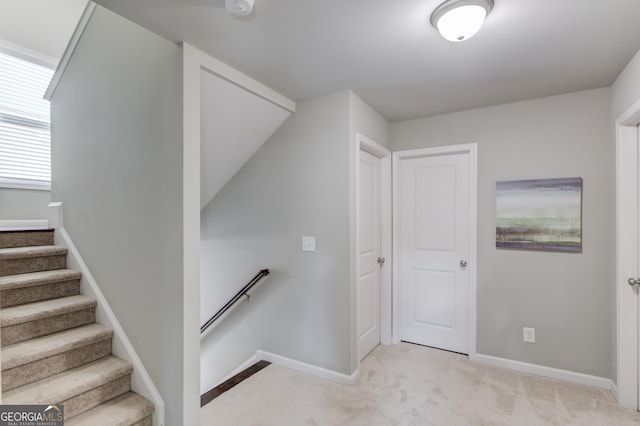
column 29, row 230
column 53, row 389
column 48, row 308
column 32, row 279
column 31, row 251
column 23, row 353
column 141, row 404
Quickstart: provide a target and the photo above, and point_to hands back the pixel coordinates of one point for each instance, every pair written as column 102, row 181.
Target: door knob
column 380, row 260
column 463, row 264
column 633, row 281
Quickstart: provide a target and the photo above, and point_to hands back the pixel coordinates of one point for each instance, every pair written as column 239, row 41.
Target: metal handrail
column 263, row 273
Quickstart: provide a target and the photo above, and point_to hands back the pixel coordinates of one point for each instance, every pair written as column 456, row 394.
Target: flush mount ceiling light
column 239, row 7
column 459, row 20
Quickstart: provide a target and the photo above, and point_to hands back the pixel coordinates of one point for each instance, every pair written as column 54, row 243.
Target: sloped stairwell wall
column 117, row 167
column 235, row 123
column 296, row 184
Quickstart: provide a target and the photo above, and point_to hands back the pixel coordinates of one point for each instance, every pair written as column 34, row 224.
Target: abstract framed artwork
column 539, row 214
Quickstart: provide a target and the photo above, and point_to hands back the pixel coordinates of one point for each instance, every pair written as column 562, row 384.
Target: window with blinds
column 25, row 136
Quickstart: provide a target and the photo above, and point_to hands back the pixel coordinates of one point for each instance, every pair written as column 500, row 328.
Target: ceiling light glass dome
column 459, row 20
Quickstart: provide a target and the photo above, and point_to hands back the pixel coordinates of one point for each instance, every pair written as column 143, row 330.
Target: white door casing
column 636, row 288
column 368, row 289
column 374, row 155
column 627, row 253
column 434, row 246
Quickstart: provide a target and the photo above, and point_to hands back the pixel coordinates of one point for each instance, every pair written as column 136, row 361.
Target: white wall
column 296, row 184
column 626, row 89
column 367, row 121
column 566, row 297
column 23, row 204
column 117, row 167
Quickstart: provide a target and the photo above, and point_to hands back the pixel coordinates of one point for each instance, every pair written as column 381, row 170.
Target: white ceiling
column 43, row 26
column 386, row 51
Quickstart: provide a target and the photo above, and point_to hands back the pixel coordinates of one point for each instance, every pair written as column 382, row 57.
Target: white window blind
column 25, row 136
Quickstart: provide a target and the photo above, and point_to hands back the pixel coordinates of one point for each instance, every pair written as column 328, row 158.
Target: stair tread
column 48, row 308
column 31, row 251
column 43, row 347
column 123, row 410
column 11, row 282
column 68, row 384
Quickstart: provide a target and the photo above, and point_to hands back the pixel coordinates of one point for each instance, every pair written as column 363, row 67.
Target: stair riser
column 40, row 369
column 87, row 400
column 26, row 239
column 42, row 327
column 32, row 264
column 37, row 293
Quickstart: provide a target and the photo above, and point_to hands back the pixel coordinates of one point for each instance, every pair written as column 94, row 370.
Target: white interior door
column 369, row 232
column 434, row 247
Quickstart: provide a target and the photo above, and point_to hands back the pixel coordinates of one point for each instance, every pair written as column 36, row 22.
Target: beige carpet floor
column 412, row 385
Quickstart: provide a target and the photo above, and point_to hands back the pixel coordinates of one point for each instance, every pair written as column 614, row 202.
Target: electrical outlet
column 529, row 334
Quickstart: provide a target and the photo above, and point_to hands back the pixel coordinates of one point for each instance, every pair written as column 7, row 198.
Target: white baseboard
column 140, row 380
column 303, row 367
column 13, row 225
column 550, row 372
column 614, row 390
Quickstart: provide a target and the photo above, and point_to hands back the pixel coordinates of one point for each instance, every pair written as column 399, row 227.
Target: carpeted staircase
column 53, row 352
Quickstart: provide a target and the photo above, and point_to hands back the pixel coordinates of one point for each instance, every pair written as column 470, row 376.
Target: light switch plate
column 308, row 243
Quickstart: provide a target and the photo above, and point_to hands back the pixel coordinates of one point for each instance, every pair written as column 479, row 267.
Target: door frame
column 367, row 144
column 398, row 156
column 627, row 163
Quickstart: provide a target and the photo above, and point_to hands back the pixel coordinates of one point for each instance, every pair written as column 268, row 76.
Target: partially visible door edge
column 372, row 147
column 626, row 388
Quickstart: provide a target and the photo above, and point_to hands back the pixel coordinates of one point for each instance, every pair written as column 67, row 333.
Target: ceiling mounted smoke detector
column 459, row 20
column 239, row 7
